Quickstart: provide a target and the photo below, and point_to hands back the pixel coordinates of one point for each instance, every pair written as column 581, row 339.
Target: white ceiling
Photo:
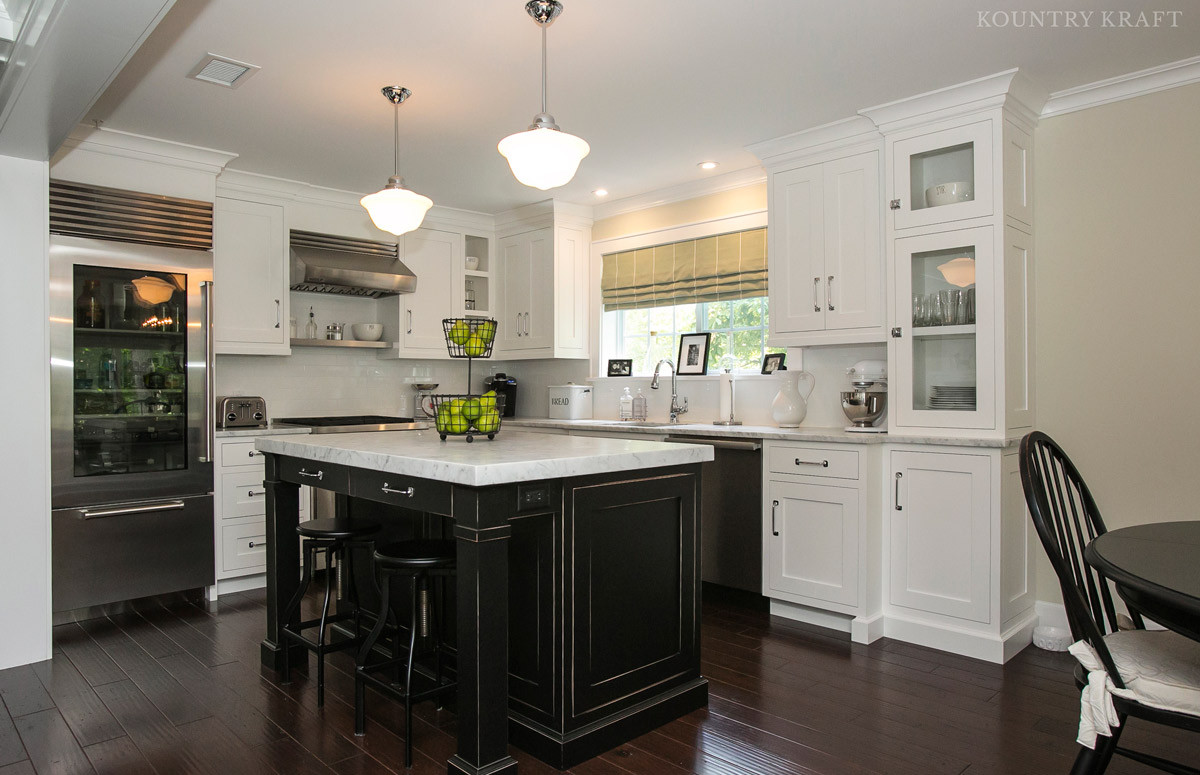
column 655, row 86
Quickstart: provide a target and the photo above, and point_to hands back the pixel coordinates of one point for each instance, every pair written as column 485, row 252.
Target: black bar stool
column 331, row 536
column 419, row 560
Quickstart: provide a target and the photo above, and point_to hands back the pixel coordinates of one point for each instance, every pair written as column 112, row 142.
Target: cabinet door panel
column 939, row 534
column 432, row 256
column 815, row 554
column 249, row 278
column 796, row 261
column 959, row 154
column 853, row 259
column 539, row 321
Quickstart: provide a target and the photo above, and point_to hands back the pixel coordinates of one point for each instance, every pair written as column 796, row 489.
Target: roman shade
column 716, row 268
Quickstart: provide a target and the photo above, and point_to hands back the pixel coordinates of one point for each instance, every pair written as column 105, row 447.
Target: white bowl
column 472, row 263
column 367, row 332
column 948, row 193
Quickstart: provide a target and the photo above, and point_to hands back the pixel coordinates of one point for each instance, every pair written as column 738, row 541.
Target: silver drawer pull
column 899, row 476
column 821, row 463
column 124, row 510
column 252, row 493
column 406, row 491
column 256, row 453
column 774, row 530
column 319, row 475
column 261, row 544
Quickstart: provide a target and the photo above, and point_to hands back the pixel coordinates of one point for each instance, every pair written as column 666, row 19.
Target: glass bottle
column 626, row 412
column 310, row 330
column 639, row 406
column 89, row 310
column 469, row 302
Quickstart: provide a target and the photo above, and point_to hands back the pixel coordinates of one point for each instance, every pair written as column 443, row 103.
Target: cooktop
column 356, row 423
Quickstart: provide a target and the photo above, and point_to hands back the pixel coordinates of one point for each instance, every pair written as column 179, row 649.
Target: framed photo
column 620, row 367
column 693, row 353
column 772, row 362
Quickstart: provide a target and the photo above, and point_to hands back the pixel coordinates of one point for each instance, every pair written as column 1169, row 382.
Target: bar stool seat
column 331, row 536
column 419, row 560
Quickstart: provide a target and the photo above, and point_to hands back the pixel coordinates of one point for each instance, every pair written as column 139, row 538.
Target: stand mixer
column 866, row 401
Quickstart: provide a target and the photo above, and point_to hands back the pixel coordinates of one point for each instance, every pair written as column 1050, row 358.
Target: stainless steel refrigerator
column 131, row 430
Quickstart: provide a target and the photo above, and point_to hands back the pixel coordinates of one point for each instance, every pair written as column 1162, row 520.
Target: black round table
column 1156, row 569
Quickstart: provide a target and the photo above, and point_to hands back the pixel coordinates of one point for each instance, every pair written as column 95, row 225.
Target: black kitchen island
column 578, row 588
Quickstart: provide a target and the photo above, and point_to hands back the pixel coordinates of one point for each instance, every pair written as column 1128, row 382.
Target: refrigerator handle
column 209, row 399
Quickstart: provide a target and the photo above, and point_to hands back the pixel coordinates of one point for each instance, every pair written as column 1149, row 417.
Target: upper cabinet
column 414, row 320
column 250, row 282
column 959, row 243
column 543, row 306
column 825, row 257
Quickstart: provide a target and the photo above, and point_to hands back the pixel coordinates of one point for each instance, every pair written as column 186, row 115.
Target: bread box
column 570, row 402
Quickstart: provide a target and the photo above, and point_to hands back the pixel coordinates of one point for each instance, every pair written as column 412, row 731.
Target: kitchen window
column 715, row 283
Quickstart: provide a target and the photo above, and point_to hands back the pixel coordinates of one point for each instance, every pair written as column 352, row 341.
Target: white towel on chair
column 1097, row 715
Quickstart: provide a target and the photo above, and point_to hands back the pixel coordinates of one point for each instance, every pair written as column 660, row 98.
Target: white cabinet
column 826, row 260
column 821, row 535
column 239, row 521
column 414, row 320
column 939, row 549
column 941, row 176
column 814, row 548
column 250, row 279
column 544, row 307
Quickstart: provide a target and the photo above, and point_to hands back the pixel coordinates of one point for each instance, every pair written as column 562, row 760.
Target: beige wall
column 1118, row 303
column 748, row 199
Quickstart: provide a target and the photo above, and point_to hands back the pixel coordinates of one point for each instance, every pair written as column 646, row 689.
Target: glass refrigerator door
column 130, row 381
column 945, row 355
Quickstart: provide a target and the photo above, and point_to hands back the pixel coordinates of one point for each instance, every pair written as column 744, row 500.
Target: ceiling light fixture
column 394, row 208
column 707, row 165
column 601, row 192
column 543, row 156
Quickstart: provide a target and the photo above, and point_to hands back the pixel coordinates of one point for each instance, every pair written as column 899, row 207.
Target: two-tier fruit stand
column 468, row 414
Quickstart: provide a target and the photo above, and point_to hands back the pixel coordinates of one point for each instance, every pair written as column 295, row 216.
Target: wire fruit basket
column 467, row 414
column 469, row 337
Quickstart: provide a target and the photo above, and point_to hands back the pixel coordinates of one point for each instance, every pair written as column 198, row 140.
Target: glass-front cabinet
column 130, row 394
column 942, row 176
column 945, row 342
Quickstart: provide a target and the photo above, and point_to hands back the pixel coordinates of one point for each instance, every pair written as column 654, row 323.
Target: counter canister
column 570, row 402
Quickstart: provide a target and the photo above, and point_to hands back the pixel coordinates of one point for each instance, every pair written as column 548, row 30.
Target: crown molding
column 1007, row 89
column 681, row 192
column 1123, row 87
column 259, row 186
column 114, row 142
column 849, row 133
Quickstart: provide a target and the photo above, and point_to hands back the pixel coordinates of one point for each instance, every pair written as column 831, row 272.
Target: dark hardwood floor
column 178, row 689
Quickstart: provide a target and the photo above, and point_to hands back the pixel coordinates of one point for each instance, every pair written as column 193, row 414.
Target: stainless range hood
column 322, row 263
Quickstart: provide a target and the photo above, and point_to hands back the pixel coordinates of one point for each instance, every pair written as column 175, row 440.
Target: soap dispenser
column 626, row 411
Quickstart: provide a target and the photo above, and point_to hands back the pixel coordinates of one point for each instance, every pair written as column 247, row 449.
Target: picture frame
column 772, row 362
column 693, row 354
column 620, row 367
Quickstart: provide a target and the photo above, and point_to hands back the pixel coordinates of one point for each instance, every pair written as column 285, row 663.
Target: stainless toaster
column 241, row 412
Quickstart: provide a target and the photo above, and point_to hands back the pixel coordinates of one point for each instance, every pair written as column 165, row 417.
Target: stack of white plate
column 954, row 397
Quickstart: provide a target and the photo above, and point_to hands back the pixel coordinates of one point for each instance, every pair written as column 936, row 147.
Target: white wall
column 25, row 414
column 1118, row 323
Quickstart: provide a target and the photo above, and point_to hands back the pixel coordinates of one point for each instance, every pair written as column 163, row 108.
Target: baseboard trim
column 241, row 584
column 860, row 629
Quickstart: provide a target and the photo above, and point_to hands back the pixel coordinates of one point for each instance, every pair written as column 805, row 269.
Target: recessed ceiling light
column 601, row 192
column 707, row 165
column 223, row 71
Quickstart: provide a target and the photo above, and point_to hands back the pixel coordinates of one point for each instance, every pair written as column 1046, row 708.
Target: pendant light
column 394, row 208
column 543, row 156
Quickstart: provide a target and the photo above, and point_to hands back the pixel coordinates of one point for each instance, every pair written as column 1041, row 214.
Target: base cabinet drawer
column 240, row 453
column 243, row 545
column 812, row 461
column 243, row 494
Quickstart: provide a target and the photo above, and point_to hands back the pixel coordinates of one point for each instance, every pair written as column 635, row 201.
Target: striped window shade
column 717, row 268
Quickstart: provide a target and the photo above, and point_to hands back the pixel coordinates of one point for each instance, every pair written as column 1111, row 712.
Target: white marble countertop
column 235, row 432
column 803, row 433
column 511, row 457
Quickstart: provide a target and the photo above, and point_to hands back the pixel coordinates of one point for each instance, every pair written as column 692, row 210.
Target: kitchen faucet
column 676, row 409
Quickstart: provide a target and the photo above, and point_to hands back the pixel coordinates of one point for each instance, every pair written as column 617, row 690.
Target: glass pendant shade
column 396, row 210
column 543, row 158
column 960, row 272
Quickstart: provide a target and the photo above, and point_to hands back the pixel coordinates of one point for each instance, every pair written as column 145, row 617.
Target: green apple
column 488, row 422
column 455, row 407
column 475, row 346
column 459, row 333
column 472, row 408
column 487, row 330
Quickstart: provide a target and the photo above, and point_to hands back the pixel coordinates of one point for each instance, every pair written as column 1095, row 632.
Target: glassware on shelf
column 310, row 330
column 469, row 301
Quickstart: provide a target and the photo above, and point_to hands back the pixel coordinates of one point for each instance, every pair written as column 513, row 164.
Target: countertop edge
column 233, row 433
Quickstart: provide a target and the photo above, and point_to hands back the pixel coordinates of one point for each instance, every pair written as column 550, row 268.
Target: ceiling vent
column 223, row 71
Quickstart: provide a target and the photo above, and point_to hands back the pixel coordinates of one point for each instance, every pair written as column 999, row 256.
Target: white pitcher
column 791, row 404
